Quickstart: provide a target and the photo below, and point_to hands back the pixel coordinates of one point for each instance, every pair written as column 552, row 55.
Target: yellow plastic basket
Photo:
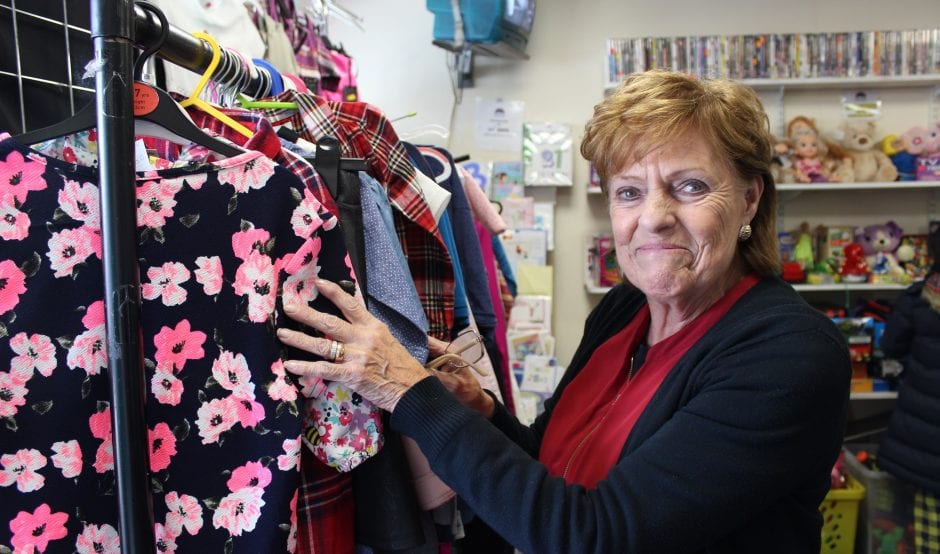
column 840, row 517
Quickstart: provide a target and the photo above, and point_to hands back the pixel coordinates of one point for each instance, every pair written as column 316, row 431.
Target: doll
column 808, row 165
column 815, row 160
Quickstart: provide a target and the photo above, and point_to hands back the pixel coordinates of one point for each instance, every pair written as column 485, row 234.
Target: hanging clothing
column 461, row 303
column 265, row 140
column 278, row 49
column 364, row 132
column 217, row 242
column 341, row 432
column 341, row 85
column 483, row 209
column 465, row 237
column 499, row 359
column 392, row 298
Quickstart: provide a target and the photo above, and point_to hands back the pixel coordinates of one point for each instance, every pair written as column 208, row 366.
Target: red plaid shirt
column 364, row 132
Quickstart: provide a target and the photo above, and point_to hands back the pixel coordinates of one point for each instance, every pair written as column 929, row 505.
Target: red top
column 598, row 409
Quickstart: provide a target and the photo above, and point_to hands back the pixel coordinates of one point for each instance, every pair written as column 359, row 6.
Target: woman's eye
column 626, row 193
column 692, row 186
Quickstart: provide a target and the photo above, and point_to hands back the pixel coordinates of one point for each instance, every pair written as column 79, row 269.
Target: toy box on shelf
column 887, row 511
column 840, row 517
column 860, row 334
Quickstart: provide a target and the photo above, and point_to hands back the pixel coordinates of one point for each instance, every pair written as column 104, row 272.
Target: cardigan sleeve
column 759, row 413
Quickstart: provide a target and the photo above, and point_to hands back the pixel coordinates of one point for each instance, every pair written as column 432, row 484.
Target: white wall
column 401, row 72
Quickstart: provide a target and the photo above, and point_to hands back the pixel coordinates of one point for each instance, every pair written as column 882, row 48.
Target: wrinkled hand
column 461, row 382
column 375, row 365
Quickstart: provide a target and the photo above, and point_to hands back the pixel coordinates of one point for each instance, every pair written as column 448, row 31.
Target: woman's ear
column 752, row 195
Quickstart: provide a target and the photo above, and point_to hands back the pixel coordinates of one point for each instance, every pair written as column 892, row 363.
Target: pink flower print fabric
column 217, row 252
column 33, row 531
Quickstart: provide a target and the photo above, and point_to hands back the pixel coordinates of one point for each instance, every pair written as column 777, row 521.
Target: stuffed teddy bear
column 869, row 162
column 878, row 244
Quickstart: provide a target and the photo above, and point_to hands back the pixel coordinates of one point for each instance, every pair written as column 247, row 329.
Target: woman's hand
column 461, row 382
column 373, row 364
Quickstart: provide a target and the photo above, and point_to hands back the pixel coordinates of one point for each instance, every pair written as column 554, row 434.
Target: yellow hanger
column 194, row 99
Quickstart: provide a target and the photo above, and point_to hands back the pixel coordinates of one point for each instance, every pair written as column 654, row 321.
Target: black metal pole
column 112, row 25
column 180, row 47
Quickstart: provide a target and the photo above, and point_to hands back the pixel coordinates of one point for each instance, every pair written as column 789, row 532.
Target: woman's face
column 676, row 214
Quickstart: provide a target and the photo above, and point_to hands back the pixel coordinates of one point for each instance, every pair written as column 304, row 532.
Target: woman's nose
column 658, row 211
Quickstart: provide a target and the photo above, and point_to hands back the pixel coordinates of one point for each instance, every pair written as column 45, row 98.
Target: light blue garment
column 392, row 296
column 504, row 265
column 461, row 305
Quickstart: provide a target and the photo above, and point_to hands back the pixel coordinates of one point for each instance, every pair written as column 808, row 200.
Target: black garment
column 349, row 203
column 388, row 518
column 911, row 448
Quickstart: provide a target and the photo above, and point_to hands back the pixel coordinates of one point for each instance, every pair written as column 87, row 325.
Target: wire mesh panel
column 44, row 47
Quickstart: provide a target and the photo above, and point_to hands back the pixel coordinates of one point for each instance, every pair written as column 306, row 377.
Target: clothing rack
column 116, row 25
column 189, row 52
column 112, row 32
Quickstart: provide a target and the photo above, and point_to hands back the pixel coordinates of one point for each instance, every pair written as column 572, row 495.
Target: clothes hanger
column 429, row 129
column 274, row 84
column 156, row 113
column 195, row 100
column 248, row 103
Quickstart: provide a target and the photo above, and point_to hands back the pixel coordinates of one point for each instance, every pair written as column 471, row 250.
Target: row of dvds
column 780, row 56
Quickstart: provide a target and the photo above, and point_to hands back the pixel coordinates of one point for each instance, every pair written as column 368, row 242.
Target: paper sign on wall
column 499, row 125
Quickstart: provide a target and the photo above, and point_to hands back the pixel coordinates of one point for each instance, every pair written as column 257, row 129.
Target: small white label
column 141, row 159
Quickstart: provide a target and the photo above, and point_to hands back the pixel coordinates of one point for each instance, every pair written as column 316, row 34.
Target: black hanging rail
column 189, row 52
column 112, row 26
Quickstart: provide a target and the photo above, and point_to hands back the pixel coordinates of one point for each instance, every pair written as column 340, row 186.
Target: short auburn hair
column 652, row 108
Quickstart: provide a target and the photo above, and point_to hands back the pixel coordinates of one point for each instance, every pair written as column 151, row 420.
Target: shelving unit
column 881, row 395
column 800, row 287
column 821, row 83
column 895, row 185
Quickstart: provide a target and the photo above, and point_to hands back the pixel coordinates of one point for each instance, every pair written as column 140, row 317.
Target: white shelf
column 893, row 185
column 845, row 82
column 594, row 190
column 837, row 287
column 882, row 395
column 848, row 287
column 881, row 81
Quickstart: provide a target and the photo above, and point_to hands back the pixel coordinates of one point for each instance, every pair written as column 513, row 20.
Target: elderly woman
column 704, row 407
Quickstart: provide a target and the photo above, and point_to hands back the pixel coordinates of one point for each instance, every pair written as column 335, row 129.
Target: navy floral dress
column 221, row 246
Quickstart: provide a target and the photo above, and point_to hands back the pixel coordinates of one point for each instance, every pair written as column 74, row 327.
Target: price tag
column 145, row 99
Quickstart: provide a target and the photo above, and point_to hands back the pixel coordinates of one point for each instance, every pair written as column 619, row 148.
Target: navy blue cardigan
column 733, row 453
column 911, row 448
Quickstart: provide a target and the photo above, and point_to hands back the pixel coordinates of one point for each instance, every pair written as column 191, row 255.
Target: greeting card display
column 547, row 154
column 507, row 181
